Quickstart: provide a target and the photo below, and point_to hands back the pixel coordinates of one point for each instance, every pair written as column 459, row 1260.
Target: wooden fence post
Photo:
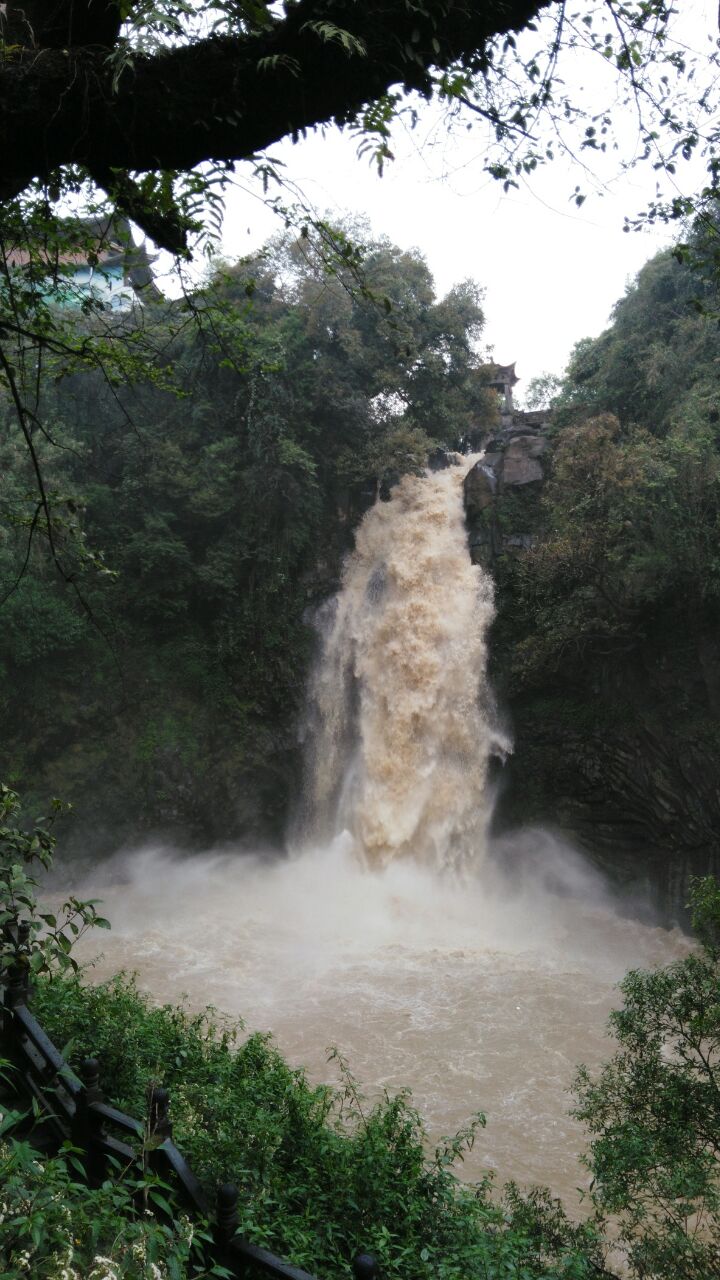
column 18, row 991
column 159, row 1128
column 365, row 1267
column 87, row 1127
column 159, row 1123
column 225, row 1228
column 226, row 1214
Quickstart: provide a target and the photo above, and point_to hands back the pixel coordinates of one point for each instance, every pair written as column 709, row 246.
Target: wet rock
column 521, row 461
column 479, row 487
column 492, row 461
column 387, row 484
column 438, row 459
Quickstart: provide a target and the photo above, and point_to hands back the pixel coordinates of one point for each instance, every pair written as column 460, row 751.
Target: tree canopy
column 629, row 515
column 133, row 93
column 221, row 477
column 210, row 82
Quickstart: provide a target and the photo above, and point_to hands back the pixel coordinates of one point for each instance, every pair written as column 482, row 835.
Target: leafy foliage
column 630, row 516
column 53, row 1225
column 46, row 945
column 503, row 66
column 655, row 364
column 632, row 529
column 653, row 1112
column 605, row 643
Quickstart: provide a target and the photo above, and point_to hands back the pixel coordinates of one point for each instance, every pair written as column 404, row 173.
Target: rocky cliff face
column 623, row 757
column 624, row 763
column 502, row 491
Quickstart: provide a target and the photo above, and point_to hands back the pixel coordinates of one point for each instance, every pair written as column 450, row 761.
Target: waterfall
column 423, row 979
column 402, row 724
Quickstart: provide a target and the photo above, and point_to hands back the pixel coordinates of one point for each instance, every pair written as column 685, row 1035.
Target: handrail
column 77, row 1110
column 112, row 1116
column 45, row 1046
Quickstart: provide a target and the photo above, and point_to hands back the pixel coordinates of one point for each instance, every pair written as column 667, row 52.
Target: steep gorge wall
column 622, row 753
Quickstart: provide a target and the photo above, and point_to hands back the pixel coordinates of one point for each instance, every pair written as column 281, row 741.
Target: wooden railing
column 73, row 1108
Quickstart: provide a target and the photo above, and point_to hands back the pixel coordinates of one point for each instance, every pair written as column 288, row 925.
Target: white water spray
column 404, row 728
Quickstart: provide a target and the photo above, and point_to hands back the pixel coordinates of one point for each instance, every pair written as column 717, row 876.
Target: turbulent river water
column 477, row 973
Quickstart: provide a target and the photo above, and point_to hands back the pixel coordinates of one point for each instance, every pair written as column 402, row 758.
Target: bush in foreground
column 54, row 1227
column 653, row 1111
column 321, row 1175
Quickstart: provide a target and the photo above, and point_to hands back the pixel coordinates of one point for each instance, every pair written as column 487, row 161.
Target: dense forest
column 605, row 646
column 209, row 498
column 207, row 504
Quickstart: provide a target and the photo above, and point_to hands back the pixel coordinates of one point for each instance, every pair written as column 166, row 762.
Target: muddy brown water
column 475, row 994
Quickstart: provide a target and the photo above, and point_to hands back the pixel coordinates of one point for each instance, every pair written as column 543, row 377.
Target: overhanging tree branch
column 229, row 97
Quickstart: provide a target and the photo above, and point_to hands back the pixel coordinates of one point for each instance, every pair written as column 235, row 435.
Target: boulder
column 521, row 463
column 493, row 444
column 479, row 487
column 492, row 461
column 513, row 433
column 438, row 459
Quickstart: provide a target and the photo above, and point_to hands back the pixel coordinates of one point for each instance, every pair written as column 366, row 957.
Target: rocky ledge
column 502, row 490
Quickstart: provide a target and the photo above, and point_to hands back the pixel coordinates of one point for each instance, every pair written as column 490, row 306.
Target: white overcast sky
column 551, row 271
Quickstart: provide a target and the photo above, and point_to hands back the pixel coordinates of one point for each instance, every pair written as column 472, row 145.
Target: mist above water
column 281, row 923
column 476, row 973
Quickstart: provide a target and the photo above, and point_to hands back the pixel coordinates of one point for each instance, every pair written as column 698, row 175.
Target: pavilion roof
column 504, row 373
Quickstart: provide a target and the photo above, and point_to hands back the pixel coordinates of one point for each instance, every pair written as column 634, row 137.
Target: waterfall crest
column 402, row 722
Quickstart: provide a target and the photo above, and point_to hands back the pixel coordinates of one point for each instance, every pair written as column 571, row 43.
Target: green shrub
column 54, row 1227
column 653, row 1111
column 25, row 854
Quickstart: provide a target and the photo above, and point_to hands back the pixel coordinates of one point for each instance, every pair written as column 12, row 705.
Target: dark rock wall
column 502, row 490
column 623, row 757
